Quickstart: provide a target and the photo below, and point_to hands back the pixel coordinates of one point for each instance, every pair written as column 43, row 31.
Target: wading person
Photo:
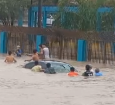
column 45, row 52
column 49, row 69
column 34, row 57
column 10, row 58
column 72, row 72
column 88, row 71
column 98, row 73
column 41, row 55
column 37, row 67
column 18, row 51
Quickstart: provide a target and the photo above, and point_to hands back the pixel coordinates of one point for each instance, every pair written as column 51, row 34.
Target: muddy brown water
column 19, row 86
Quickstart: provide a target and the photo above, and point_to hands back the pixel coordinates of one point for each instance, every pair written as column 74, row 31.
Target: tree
column 10, row 10
column 85, row 19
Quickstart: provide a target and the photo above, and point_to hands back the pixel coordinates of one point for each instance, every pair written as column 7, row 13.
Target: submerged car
column 60, row 67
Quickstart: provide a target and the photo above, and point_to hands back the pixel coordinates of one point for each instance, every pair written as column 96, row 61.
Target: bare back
column 10, row 59
column 35, row 57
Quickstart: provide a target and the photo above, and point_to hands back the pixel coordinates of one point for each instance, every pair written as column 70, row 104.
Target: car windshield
column 61, row 67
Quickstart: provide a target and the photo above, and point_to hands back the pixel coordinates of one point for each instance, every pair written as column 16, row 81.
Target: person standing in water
column 98, row 73
column 37, row 67
column 72, row 72
column 45, row 52
column 34, row 57
column 49, row 69
column 10, row 58
column 41, row 52
column 88, row 71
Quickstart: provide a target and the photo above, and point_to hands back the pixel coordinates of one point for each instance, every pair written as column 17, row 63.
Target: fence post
column 3, row 44
column 81, row 53
column 29, row 16
column 44, row 19
column 20, row 20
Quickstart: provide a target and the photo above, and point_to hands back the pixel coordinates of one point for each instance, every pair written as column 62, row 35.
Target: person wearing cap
column 18, row 51
column 98, row 73
column 37, row 67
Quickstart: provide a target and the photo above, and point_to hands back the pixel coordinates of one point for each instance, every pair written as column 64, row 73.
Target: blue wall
column 3, row 42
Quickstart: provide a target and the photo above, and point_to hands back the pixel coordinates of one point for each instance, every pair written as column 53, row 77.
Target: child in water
column 72, row 72
column 98, row 73
column 37, row 67
column 88, row 71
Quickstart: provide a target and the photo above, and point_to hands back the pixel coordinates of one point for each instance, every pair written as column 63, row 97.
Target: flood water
column 19, row 86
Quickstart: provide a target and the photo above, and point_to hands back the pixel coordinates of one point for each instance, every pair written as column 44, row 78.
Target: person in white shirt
column 45, row 52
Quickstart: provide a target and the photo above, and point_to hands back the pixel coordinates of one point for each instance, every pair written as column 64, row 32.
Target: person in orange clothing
column 72, row 72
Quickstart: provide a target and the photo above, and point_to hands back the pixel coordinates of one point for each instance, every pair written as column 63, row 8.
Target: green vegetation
column 85, row 19
column 10, row 10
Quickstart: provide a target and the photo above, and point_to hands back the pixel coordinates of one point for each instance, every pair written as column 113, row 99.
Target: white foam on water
column 19, row 86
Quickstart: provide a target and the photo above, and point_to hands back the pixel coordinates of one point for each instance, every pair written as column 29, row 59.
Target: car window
column 43, row 65
column 30, row 65
column 67, row 66
column 59, row 68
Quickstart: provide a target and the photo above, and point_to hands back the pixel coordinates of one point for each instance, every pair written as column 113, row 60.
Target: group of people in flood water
column 36, row 56
column 44, row 54
column 89, row 71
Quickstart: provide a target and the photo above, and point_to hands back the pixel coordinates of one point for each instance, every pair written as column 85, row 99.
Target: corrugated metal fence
column 63, row 43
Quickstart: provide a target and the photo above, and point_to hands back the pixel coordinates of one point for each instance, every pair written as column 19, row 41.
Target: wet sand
column 19, row 86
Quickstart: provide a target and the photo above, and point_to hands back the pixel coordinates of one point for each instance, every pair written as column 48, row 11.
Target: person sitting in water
column 10, row 58
column 18, row 51
column 98, row 73
column 35, row 56
column 37, row 67
column 49, row 69
column 72, row 72
column 88, row 71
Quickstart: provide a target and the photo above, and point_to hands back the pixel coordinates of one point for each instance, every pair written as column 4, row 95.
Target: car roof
column 53, row 61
